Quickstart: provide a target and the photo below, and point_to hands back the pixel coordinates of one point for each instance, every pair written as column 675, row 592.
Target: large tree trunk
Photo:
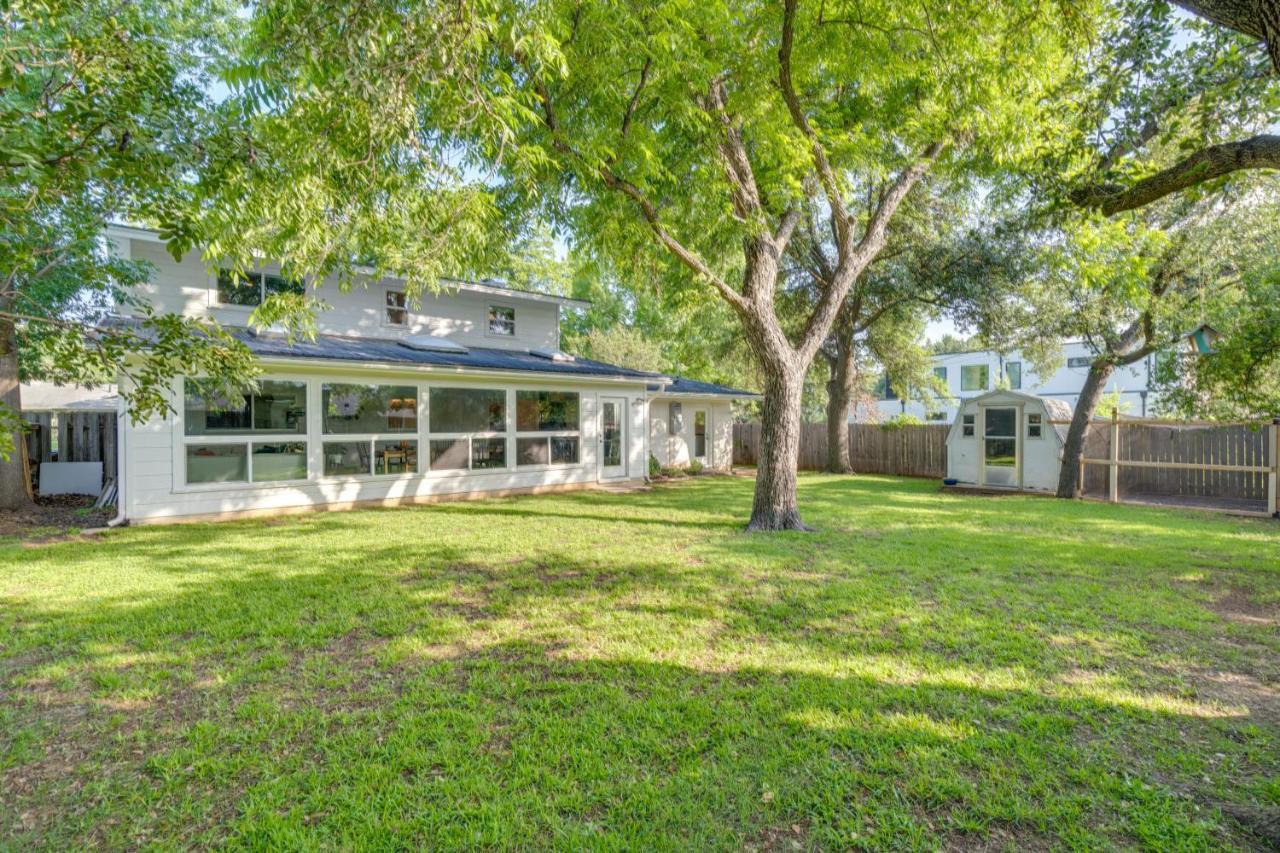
column 839, row 396
column 13, row 483
column 1094, row 384
column 775, row 506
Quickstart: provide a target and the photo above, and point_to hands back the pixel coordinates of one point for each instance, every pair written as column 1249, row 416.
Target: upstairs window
column 1013, row 371
column 884, row 390
column 974, row 377
column 941, row 373
column 502, row 321
column 252, row 288
column 1079, row 361
column 397, row 309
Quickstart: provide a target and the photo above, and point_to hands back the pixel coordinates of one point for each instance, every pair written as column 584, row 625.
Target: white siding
column 1131, row 382
column 676, row 450
column 190, row 288
column 155, row 488
column 1041, row 457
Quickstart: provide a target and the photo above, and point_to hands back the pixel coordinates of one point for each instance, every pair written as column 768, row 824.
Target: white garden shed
column 1008, row 439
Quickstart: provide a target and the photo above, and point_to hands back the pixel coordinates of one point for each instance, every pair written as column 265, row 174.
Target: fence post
column 1273, row 449
column 1113, row 470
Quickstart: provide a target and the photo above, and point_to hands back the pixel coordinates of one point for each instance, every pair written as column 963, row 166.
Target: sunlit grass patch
column 635, row 671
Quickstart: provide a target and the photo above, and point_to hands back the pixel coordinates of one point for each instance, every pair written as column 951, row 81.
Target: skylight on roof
column 431, row 343
column 552, row 354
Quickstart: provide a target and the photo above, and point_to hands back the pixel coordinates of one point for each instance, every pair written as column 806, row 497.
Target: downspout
column 120, row 470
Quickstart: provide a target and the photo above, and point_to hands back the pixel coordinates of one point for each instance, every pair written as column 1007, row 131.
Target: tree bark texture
column 839, row 396
column 1257, row 18
column 775, row 507
column 1095, row 383
column 1257, row 152
column 13, row 486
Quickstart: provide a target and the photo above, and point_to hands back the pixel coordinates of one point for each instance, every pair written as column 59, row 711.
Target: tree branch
column 827, row 175
column 647, row 209
column 1258, row 152
column 1257, row 18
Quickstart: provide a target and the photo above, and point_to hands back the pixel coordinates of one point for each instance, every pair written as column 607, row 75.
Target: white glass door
column 1000, row 446
column 613, row 437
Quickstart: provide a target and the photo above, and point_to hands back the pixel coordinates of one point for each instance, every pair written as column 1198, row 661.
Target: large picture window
column 217, row 428
column 276, row 406
column 369, row 408
column 462, row 410
column 548, row 427
column 468, row 428
column 372, row 419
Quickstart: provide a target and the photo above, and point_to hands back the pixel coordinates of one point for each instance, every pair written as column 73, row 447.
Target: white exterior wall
column 1133, row 383
column 1041, row 458
column 191, row 289
column 155, row 456
column 677, row 450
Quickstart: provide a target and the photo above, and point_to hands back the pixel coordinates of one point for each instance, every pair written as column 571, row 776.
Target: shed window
column 1035, row 425
column 966, row 425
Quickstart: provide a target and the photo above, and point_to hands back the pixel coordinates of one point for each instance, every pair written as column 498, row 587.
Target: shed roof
column 48, row 397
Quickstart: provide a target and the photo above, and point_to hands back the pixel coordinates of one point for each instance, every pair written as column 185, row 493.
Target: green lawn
column 633, row 671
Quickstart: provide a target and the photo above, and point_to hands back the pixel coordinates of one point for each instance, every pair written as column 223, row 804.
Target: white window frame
column 1038, row 424
column 369, row 438
column 262, row 289
column 706, row 436
column 516, row 433
column 986, row 385
column 247, row 440
column 488, row 326
column 315, row 437
column 387, row 308
column 968, row 422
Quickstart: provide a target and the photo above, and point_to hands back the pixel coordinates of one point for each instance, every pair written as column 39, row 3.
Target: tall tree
column 713, row 125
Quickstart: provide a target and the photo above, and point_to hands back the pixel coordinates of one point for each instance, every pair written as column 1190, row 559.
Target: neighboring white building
column 969, row 374
column 1008, row 439
column 395, row 402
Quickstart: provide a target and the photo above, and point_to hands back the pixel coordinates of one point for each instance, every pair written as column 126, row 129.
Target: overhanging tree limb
column 1258, row 152
column 1257, row 18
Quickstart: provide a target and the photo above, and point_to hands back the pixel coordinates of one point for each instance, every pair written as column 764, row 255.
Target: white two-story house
column 968, row 374
column 464, row 392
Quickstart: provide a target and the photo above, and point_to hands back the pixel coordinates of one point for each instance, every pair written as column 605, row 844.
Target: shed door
column 1000, row 446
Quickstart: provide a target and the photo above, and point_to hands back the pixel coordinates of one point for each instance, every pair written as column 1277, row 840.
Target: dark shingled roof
column 680, row 385
column 341, row 348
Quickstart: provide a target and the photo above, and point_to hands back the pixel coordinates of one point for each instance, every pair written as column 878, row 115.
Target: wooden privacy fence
column 82, row 437
column 1216, row 466
column 908, row 451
